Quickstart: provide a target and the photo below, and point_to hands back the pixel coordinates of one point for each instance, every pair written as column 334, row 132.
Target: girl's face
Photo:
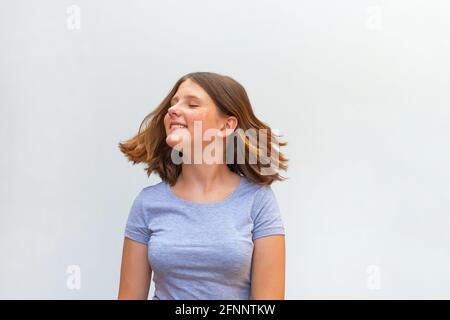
column 191, row 104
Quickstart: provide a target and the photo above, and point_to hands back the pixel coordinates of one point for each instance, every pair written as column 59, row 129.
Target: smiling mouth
column 177, row 126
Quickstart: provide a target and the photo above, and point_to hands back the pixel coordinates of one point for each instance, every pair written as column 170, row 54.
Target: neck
column 204, row 177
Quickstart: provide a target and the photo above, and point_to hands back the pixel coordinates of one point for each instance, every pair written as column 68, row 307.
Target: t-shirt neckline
column 225, row 200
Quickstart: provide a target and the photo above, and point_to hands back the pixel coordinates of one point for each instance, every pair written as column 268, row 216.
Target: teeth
column 178, row 126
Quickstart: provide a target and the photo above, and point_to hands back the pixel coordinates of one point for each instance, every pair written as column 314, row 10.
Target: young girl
column 212, row 228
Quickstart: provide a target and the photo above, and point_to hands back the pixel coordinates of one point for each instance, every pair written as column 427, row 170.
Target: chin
column 175, row 144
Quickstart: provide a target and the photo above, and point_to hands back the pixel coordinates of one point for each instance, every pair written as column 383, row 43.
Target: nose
column 173, row 111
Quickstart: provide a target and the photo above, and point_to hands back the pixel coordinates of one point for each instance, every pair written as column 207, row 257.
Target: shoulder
column 264, row 196
column 255, row 188
column 146, row 199
column 150, row 196
column 258, row 193
column 249, row 186
column 153, row 192
column 265, row 212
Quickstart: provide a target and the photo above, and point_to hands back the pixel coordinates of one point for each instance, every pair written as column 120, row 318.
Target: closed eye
column 193, row 105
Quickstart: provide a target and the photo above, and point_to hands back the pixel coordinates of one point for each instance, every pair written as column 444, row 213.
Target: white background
column 358, row 88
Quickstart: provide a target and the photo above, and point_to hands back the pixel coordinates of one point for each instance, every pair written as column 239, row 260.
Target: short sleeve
column 266, row 214
column 137, row 227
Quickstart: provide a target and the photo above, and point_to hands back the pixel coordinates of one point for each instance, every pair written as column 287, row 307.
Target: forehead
column 190, row 89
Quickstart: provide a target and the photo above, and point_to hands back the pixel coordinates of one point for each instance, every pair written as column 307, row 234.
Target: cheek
column 166, row 121
column 193, row 117
column 196, row 116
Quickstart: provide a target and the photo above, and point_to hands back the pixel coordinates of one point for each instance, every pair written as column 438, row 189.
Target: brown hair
column 149, row 144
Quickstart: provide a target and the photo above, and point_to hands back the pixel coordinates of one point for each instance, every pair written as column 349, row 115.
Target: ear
column 228, row 127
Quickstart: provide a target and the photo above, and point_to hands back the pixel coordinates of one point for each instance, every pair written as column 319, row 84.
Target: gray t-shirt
column 200, row 251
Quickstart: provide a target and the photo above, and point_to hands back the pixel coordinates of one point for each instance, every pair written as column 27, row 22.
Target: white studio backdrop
column 359, row 89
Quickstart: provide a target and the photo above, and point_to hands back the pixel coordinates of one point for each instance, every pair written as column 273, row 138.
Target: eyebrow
column 186, row 96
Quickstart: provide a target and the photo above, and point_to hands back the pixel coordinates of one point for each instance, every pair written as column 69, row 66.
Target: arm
column 135, row 271
column 268, row 268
